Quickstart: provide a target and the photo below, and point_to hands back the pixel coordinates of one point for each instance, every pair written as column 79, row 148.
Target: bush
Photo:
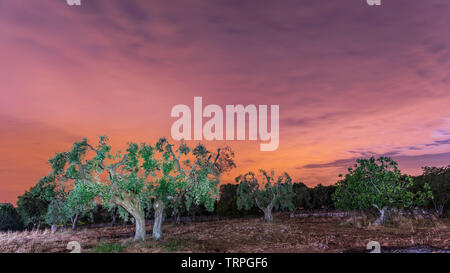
column 9, row 218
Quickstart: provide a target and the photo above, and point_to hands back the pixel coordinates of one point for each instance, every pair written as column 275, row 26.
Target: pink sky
column 351, row 80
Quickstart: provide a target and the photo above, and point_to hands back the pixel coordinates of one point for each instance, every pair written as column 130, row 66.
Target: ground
column 305, row 234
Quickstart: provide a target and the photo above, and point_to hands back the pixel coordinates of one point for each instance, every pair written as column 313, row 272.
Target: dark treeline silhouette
column 438, row 178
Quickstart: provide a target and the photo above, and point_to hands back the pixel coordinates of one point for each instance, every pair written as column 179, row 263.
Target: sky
column 351, row 80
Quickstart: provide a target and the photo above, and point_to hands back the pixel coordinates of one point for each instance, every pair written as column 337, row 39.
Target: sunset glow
column 350, row 81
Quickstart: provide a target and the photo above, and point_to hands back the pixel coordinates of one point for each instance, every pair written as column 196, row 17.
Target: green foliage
column 189, row 177
column 132, row 180
column 56, row 212
column 377, row 183
column 9, row 218
column 108, row 248
column 267, row 194
column 318, row 197
column 33, row 204
column 89, row 174
column 174, row 245
column 438, row 180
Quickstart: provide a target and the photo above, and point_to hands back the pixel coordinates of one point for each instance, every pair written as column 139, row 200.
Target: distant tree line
column 302, row 198
column 436, row 179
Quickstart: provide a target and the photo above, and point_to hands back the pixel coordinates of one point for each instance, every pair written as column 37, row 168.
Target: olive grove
column 142, row 177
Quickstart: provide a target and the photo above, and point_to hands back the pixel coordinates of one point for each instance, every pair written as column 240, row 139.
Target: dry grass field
column 309, row 234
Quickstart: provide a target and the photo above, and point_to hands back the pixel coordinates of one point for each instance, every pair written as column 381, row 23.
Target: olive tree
column 69, row 201
column 266, row 195
column 187, row 177
column 79, row 202
column 377, row 183
column 108, row 175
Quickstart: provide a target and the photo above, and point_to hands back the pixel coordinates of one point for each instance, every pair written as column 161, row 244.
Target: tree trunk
column 140, row 227
column 382, row 218
column 159, row 209
column 53, row 229
column 134, row 208
column 354, row 218
column 441, row 211
column 292, row 214
column 113, row 222
column 177, row 219
column 74, row 222
column 439, row 208
column 268, row 214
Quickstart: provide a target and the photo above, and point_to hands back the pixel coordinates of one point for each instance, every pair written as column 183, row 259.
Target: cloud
column 438, row 143
column 303, row 122
column 340, row 163
column 407, row 161
column 344, row 74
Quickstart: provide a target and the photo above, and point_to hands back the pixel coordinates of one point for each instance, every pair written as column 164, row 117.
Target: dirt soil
column 310, row 234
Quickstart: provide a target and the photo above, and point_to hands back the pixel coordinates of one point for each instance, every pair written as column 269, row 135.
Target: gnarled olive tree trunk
column 140, row 227
column 158, row 206
column 74, row 220
column 134, row 208
column 267, row 210
column 268, row 214
column 382, row 217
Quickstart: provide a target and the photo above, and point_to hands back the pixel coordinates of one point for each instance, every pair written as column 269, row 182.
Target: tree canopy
column 377, row 183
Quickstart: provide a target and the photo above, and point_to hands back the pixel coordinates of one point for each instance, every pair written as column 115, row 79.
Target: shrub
column 9, row 218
